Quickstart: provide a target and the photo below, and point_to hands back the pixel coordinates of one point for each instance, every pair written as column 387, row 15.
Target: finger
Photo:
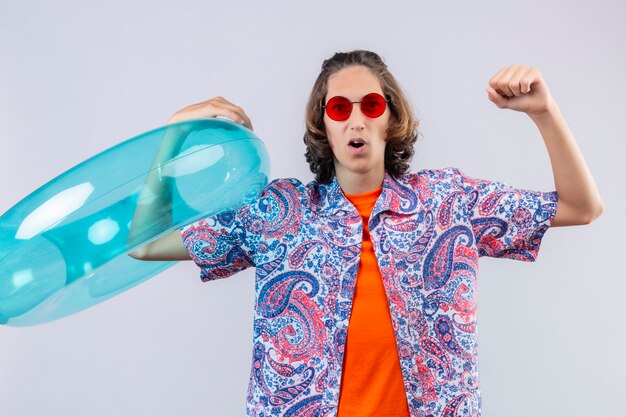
column 498, row 99
column 524, row 78
column 529, row 78
column 217, row 106
column 232, row 115
column 237, row 111
column 207, row 111
column 242, row 117
column 505, row 79
column 493, row 82
column 514, row 82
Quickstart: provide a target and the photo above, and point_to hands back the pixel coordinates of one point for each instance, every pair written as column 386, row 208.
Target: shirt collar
column 398, row 195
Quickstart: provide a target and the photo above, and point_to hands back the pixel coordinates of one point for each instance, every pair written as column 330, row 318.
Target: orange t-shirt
column 371, row 381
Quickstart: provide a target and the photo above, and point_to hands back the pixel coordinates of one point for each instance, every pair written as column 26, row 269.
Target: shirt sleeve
column 224, row 244
column 507, row 222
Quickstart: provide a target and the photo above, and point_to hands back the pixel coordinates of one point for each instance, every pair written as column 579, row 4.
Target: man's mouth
column 356, row 143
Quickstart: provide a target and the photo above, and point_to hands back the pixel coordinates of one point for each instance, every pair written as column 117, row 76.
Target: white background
column 77, row 77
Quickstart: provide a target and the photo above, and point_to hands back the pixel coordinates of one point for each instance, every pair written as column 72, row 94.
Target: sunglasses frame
column 352, row 103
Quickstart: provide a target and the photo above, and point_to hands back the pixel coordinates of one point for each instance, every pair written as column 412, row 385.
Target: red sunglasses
column 340, row 108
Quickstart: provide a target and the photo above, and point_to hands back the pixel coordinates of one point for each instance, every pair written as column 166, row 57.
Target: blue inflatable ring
column 65, row 247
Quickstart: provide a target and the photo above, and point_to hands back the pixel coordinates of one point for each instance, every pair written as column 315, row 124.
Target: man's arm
column 523, row 89
column 156, row 198
column 579, row 198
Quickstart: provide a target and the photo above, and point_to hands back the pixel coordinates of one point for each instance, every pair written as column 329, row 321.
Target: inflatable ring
column 65, row 247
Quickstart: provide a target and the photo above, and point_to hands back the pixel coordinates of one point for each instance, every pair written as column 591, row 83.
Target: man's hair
column 402, row 131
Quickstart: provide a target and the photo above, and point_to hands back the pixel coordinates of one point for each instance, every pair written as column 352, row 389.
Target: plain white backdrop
column 77, row 77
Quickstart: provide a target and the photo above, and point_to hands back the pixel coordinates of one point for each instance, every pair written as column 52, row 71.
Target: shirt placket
column 383, row 259
column 349, row 270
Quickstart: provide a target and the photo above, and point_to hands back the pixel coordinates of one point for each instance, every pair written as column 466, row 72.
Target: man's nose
column 357, row 118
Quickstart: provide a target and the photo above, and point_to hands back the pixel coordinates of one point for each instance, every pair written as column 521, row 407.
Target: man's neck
column 359, row 184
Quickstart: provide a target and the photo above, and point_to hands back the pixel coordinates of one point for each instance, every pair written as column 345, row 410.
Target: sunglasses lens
column 373, row 105
column 339, row 108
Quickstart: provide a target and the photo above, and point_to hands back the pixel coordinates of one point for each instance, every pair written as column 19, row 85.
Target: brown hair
column 401, row 134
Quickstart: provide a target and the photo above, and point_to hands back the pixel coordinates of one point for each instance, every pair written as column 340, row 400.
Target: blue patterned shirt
column 428, row 230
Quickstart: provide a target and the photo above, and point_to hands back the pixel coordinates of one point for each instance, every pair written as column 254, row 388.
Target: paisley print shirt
column 428, row 230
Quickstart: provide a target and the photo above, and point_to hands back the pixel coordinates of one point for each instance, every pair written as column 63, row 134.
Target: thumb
column 497, row 99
